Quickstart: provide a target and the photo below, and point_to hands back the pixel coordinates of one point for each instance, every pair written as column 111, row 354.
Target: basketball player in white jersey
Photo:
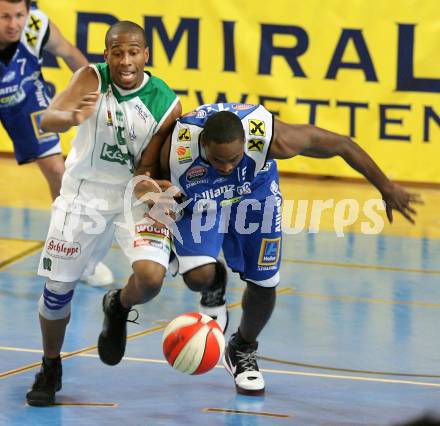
column 123, row 114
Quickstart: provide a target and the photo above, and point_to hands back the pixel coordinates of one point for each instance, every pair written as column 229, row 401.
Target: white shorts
column 79, row 238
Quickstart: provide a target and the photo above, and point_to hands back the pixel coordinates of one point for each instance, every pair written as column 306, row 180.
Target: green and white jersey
column 109, row 144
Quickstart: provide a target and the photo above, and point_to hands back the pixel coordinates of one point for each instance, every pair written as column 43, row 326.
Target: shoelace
column 247, row 360
column 134, row 321
column 114, row 305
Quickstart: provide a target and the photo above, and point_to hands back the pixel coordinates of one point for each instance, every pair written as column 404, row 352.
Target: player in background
column 24, row 33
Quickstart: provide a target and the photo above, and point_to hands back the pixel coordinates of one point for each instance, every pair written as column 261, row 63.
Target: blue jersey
column 197, row 179
column 24, row 94
column 239, row 213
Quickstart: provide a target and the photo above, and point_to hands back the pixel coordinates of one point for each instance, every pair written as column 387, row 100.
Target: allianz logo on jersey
column 113, row 153
column 9, row 90
column 226, row 190
column 15, row 94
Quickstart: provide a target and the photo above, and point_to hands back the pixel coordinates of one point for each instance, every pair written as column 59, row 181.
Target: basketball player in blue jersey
column 24, row 33
column 221, row 158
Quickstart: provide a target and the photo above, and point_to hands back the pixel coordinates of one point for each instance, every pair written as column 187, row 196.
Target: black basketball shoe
column 47, row 382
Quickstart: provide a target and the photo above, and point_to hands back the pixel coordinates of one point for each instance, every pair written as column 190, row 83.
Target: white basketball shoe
column 101, row 277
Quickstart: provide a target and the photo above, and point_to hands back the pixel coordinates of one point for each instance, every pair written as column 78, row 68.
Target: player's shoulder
column 37, row 21
column 199, row 116
column 35, row 31
column 88, row 72
column 157, row 96
column 157, row 83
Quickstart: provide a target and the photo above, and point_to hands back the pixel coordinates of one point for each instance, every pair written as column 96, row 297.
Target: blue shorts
column 250, row 239
column 22, row 122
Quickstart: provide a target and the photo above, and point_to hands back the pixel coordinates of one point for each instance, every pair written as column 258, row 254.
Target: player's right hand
column 397, row 198
column 85, row 108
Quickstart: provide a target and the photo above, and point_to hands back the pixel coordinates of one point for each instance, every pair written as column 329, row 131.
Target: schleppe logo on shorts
column 63, row 249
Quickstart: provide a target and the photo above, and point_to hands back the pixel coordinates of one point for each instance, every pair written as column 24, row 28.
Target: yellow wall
column 369, row 34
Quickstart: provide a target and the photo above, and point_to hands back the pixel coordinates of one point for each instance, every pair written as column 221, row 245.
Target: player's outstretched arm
column 59, row 46
column 149, row 164
column 150, row 160
column 73, row 105
column 290, row 140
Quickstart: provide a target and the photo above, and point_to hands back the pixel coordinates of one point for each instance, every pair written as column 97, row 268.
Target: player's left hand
column 153, row 186
column 397, row 198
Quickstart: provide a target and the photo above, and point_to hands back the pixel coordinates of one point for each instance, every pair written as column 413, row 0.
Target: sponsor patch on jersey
column 196, row 173
column 151, row 230
column 255, row 145
column 244, row 189
column 36, row 124
column 269, row 251
column 242, row 106
column 63, row 249
column 184, row 154
column 109, row 118
column 34, row 23
column 219, row 180
column 113, row 154
column 8, row 77
column 257, row 127
column 146, row 242
column 274, row 188
column 266, row 168
column 230, row 201
column 184, row 135
column 47, row 264
column 196, row 182
column 141, row 111
column 31, row 38
column 132, row 133
column 201, row 113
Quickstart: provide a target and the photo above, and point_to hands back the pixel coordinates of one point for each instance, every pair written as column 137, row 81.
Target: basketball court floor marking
column 362, row 266
column 248, row 413
column 265, row 370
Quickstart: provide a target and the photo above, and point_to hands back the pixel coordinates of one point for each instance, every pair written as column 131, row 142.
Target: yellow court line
column 94, row 347
column 21, row 255
column 346, row 370
column 363, row 299
column 40, row 244
column 264, row 358
column 355, row 378
column 363, row 266
column 21, row 240
column 78, row 352
column 249, row 413
column 264, row 370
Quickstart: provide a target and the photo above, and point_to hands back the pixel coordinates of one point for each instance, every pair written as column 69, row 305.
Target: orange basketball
column 193, row 343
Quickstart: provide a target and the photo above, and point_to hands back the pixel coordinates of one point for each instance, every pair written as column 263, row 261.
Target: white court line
column 265, row 370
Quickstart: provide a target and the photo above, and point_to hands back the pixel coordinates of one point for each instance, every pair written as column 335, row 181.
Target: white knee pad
column 54, row 303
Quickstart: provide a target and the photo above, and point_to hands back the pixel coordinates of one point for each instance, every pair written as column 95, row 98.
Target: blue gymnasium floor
column 354, row 340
